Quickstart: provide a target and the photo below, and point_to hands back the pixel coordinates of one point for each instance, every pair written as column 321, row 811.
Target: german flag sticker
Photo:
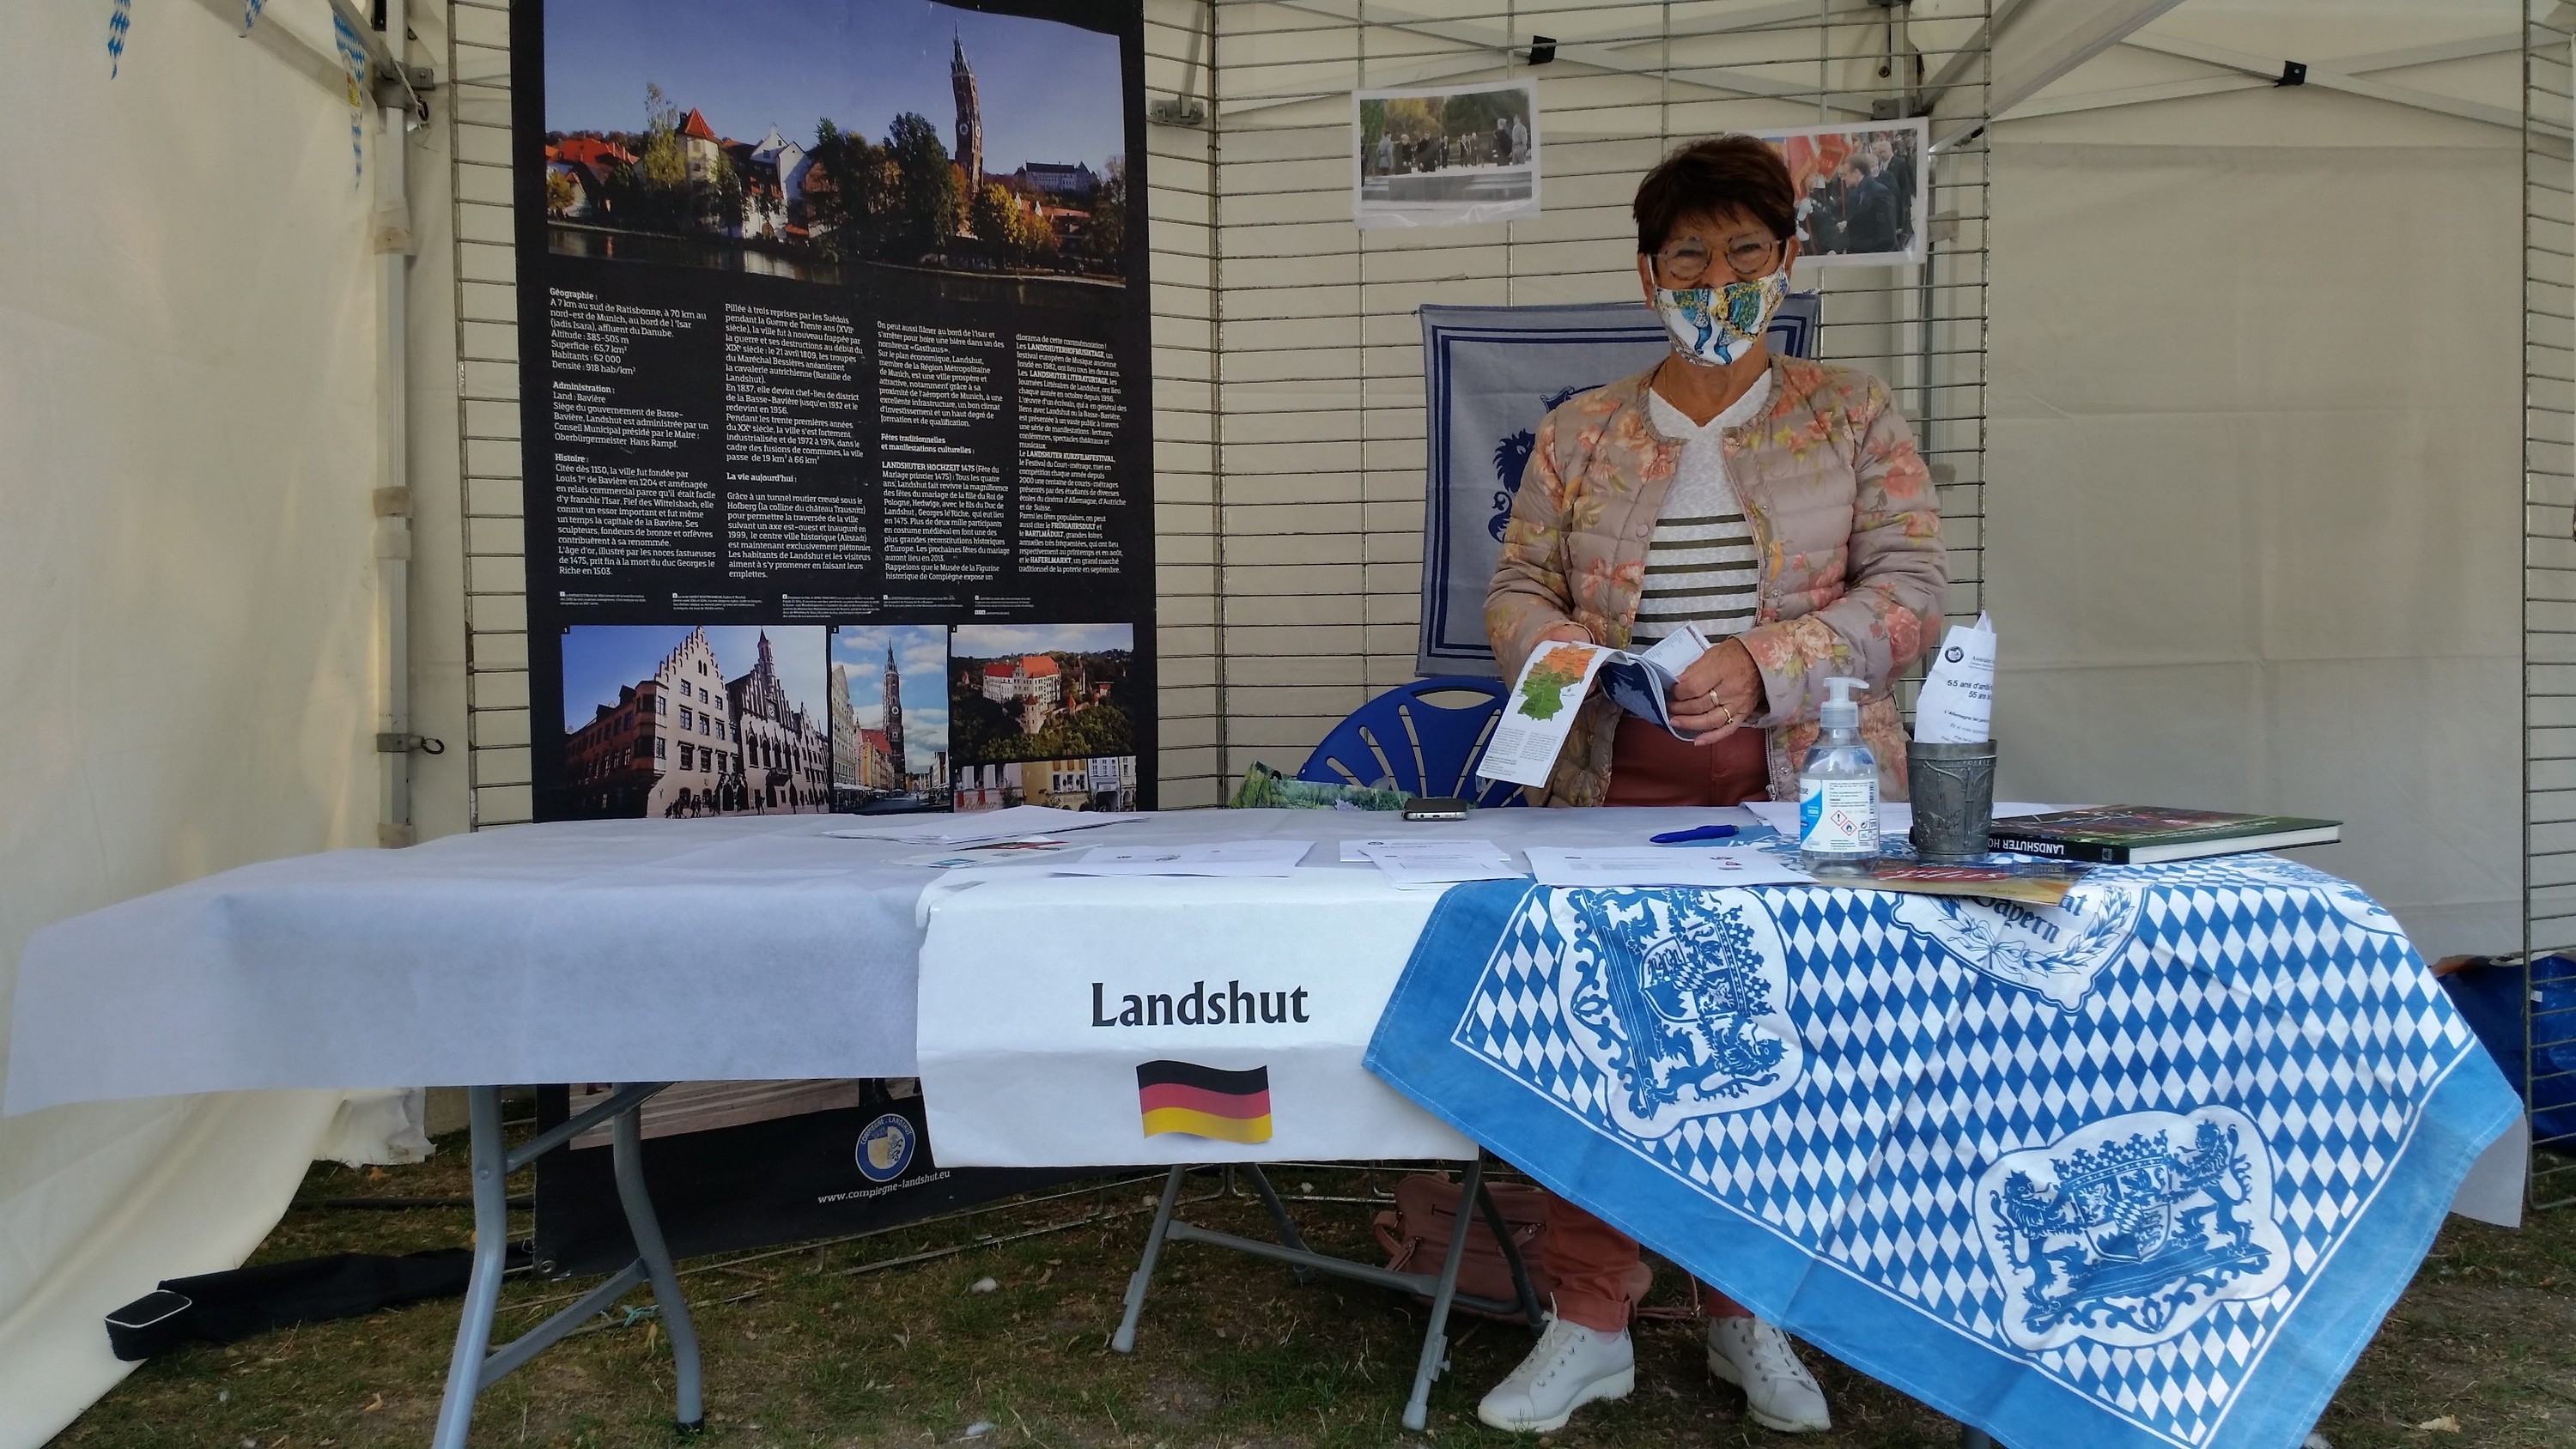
column 1204, row 1101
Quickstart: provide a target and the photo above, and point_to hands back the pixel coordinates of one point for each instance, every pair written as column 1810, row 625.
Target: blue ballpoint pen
column 1696, row 832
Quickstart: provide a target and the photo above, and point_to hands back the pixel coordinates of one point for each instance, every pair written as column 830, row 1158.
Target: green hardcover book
column 2146, row 834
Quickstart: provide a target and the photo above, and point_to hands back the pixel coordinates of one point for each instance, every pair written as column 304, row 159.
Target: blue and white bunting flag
column 120, row 19
column 353, row 63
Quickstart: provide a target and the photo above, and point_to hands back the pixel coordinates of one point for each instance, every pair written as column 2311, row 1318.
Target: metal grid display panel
column 1320, row 428
column 487, row 351
column 2549, row 561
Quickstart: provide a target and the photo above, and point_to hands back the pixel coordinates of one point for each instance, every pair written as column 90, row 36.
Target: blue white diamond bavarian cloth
column 2146, row 1169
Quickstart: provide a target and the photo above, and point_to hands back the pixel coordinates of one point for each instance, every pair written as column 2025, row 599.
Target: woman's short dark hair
column 1720, row 174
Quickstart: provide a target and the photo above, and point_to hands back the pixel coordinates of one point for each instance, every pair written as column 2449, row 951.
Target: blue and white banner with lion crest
column 2146, row 1169
column 1490, row 374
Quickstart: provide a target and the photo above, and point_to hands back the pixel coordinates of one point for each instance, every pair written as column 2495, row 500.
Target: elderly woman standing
column 1780, row 506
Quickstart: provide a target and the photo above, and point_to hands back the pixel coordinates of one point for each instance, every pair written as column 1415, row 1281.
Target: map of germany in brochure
column 1541, row 710
column 1546, row 698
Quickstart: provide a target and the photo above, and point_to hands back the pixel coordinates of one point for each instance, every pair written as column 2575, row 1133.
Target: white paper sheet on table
column 1354, row 852
column 980, row 826
column 1410, row 863
column 1214, row 857
column 1662, row 865
column 990, row 852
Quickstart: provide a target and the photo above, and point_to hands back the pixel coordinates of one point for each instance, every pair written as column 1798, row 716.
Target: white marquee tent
column 2253, row 520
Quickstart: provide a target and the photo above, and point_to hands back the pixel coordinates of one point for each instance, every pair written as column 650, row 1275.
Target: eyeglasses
column 1685, row 262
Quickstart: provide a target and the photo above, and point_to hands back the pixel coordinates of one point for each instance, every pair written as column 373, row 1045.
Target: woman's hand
column 1568, row 632
column 1718, row 693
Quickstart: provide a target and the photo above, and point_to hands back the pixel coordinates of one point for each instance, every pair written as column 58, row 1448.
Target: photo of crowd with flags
column 1860, row 189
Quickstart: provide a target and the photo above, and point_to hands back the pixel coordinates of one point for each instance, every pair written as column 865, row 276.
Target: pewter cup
column 1953, row 788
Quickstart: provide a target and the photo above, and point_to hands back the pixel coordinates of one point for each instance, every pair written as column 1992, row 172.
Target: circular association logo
column 1954, row 654
column 885, row 1148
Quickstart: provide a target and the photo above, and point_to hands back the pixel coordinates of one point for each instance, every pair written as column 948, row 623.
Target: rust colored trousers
column 1595, row 1264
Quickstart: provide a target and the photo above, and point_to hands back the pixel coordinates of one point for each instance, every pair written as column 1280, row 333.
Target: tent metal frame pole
column 2548, row 519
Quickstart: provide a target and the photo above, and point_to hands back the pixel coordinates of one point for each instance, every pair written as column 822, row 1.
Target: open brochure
column 1550, row 690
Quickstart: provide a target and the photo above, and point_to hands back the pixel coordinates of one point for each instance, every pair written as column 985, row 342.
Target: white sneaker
column 2316, row 1441
column 1571, row 1367
column 1778, row 1390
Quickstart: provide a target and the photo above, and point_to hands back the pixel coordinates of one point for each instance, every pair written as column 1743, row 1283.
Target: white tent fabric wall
column 186, row 407
column 2254, row 521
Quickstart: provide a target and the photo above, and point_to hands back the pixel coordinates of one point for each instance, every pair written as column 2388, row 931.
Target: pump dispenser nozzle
column 1839, row 711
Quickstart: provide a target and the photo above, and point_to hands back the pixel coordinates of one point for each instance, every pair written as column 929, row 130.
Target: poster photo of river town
column 794, row 139
column 1042, row 714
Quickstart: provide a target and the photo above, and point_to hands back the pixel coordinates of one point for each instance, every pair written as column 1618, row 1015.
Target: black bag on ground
column 230, row 1306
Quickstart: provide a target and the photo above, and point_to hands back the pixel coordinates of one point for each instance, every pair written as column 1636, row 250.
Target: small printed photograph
column 1445, row 157
column 1864, row 192
column 670, row 721
column 1032, row 694
column 1098, row 783
column 988, row 787
column 816, row 138
column 888, row 692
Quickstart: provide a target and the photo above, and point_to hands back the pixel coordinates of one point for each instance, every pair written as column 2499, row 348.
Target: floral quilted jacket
column 1843, row 512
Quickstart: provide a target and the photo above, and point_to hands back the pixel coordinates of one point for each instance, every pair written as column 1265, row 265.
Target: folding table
column 569, row 952
column 576, row 953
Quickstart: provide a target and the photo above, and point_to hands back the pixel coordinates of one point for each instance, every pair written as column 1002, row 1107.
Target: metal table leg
column 1502, row 1231
column 1279, row 1218
column 475, row 1365
column 627, row 1147
column 1442, row 1288
column 1435, row 1337
column 1124, row 1340
column 1972, row 1437
column 483, row 1288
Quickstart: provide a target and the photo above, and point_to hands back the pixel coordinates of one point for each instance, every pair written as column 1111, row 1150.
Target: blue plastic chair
column 1424, row 737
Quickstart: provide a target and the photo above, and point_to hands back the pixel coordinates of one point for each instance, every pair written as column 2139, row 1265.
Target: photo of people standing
column 1861, row 191
column 1435, row 158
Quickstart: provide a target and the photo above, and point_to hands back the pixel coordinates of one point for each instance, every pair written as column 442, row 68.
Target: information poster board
column 835, row 429
column 835, row 404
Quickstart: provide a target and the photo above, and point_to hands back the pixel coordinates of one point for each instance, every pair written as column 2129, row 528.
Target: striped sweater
column 1701, row 565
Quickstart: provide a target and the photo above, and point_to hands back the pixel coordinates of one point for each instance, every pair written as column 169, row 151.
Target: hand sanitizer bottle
column 1838, row 790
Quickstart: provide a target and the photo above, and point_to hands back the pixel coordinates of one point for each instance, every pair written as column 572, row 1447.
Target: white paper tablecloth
column 582, row 952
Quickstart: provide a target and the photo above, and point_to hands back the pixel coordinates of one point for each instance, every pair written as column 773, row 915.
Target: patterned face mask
column 1714, row 326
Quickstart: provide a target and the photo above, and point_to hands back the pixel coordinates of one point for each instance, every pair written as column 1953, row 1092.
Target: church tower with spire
column 894, row 713
column 970, row 118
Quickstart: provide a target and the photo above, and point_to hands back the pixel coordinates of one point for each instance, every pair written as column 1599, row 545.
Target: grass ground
column 813, row 1346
